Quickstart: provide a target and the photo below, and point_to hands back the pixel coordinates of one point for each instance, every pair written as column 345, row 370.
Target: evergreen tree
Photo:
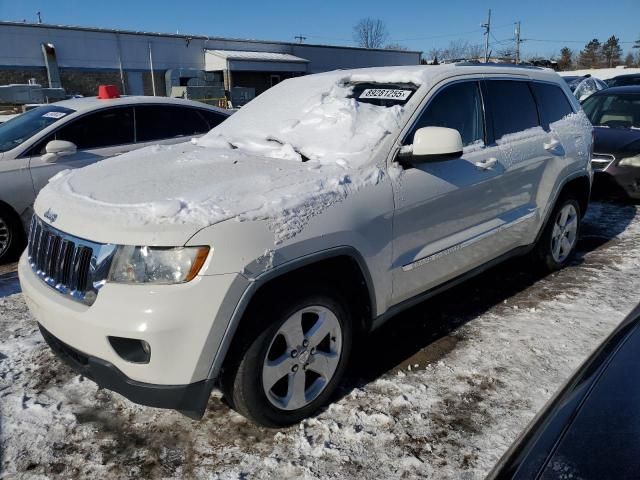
column 591, row 55
column 611, row 52
column 565, row 62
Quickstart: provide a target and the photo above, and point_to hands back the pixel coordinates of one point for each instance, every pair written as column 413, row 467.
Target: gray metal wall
column 93, row 49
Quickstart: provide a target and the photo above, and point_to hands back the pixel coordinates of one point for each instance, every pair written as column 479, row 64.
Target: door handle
column 487, row 163
column 554, row 147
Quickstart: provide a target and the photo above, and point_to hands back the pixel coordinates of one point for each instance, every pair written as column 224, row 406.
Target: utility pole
column 39, row 17
column 487, row 31
column 518, row 41
column 300, row 38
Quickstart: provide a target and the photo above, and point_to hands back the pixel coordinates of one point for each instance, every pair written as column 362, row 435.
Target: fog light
column 131, row 349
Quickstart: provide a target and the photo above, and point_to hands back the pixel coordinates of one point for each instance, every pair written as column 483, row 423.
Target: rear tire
column 558, row 241
column 293, row 358
column 11, row 235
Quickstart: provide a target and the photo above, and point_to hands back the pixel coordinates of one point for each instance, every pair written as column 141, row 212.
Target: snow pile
column 201, row 186
column 601, row 73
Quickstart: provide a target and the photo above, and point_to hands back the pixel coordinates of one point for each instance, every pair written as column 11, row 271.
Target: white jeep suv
column 253, row 258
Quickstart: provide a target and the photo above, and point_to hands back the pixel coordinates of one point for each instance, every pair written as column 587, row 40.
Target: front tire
column 11, row 235
column 559, row 239
column 294, row 360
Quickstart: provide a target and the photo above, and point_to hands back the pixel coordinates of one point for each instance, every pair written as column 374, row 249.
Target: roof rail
column 469, row 63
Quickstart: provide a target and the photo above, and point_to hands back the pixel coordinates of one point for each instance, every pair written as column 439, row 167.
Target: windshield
column 572, row 81
column 327, row 118
column 587, row 87
column 614, row 110
column 19, row 129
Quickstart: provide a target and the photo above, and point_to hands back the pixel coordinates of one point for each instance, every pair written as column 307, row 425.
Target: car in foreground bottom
column 591, row 428
column 253, row 258
column 615, row 115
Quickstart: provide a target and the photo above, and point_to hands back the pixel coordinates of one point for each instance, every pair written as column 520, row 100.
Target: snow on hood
column 285, row 157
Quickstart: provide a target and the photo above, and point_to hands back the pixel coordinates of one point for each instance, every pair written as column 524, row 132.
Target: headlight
column 157, row 265
column 630, row 162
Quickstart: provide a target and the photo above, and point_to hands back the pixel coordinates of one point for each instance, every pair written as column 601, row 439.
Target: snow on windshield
column 309, row 119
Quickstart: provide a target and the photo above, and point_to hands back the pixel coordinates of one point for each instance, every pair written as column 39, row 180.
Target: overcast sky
column 547, row 25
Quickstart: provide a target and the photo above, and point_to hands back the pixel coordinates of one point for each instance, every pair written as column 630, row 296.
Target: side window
column 213, row 118
column 160, row 122
column 458, row 106
column 512, row 105
column 104, row 128
column 552, row 102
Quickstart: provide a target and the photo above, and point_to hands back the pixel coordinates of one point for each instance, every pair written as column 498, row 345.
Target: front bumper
column 626, row 179
column 191, row 399
column 183, row 324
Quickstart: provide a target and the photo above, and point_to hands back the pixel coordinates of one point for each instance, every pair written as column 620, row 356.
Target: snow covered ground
column 439, row 392
column 601, row 73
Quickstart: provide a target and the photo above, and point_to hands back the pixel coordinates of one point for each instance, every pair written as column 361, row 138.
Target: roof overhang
column 241, row 60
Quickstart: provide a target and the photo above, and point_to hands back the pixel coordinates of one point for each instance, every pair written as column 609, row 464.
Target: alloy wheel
column 302, row 358
column 5, row 236
column 564, row 235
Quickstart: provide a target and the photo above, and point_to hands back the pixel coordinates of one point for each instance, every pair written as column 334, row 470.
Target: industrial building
column 78, row 59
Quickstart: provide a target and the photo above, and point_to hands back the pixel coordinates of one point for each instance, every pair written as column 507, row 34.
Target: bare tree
column 629, row 60
column 395, row 46
column 370, row 33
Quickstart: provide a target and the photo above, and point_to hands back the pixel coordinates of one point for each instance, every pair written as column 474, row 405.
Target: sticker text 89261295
column 385, row 93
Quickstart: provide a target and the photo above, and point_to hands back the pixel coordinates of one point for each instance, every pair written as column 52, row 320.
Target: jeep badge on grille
column 49, row 215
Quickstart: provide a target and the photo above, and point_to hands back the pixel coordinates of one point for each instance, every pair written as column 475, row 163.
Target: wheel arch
column 580, row 188
column 353, row 275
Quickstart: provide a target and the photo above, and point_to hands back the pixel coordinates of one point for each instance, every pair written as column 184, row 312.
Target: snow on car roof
column 91, row 103
column 257, row 56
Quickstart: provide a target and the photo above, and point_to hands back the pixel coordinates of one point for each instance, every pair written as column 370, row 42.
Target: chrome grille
column 600, row 161
column 71, row 265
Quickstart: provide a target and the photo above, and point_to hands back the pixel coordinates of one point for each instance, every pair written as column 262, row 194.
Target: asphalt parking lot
column 439, row 392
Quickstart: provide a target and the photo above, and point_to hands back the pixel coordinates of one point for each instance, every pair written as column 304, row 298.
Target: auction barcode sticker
column 385, row 93
column 54, row 115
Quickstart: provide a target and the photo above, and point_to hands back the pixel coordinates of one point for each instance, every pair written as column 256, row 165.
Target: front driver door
column 98, row 135
column 446, row 211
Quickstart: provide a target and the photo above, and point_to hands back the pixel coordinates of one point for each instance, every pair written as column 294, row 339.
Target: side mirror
column 434, row 144
column 58, row 148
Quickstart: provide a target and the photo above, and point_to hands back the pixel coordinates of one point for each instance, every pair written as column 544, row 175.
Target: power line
column 438, row 36
column 564, row 41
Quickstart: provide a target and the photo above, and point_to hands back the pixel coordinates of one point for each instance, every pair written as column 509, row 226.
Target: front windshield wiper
column 280, row 142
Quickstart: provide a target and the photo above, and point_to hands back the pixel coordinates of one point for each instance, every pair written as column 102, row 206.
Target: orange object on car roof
column 106, row 92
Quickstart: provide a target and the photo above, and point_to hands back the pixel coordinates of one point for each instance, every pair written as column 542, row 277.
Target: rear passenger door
column 564, row 140
column 445, row 210
column 521, row 146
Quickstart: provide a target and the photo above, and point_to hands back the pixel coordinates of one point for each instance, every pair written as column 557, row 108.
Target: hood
column 620, row 142
column 163, row 195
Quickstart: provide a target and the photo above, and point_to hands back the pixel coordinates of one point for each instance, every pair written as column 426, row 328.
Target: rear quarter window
column 161, row 122
column 513, row 108
column 553, row 104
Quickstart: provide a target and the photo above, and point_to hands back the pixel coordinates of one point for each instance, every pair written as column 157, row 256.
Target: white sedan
column 37, row 144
